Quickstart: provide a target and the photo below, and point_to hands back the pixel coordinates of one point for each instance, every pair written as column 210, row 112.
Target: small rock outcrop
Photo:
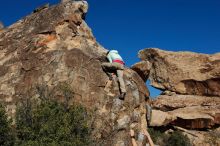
column 187, row 111
column 53, row 52
column 181, row 72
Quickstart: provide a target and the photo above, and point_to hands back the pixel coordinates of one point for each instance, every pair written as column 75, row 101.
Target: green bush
column 178, row 139
column 52, row 124
column 174, row 139
column 6, row 134
column 156, row 135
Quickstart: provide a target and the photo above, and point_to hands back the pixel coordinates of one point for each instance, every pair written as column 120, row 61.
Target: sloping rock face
column 182, row 72
column 52, row 53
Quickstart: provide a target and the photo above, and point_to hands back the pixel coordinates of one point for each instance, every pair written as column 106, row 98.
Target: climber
column 134, row 143
column 116, row 63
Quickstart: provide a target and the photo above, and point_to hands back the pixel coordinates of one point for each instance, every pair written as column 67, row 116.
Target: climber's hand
column 132, row 133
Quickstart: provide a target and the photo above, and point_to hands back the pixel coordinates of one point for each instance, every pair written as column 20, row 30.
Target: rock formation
column 181, row 72
column 187, row 111
column 191, row 89
column 53, row 52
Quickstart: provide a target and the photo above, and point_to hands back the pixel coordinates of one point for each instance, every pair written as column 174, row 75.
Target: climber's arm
column 148, row 137
column 132, row 138
column 109, row 58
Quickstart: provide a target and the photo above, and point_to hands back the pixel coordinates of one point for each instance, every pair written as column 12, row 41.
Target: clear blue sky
column 129, row 25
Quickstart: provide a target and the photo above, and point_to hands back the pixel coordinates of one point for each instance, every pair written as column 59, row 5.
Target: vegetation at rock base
column 6, row 134
column 51, row 123
column 155, row 134
column 46, row 124
column 178, row 139
column 174, row 139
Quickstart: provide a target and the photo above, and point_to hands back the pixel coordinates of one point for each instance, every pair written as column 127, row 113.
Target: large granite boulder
column 52, row 53
column 197, row 117
column 187, row 111
column 181, row 72
column 190, row 99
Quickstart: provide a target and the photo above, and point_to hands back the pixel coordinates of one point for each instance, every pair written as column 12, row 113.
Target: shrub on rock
column 51, row 123
column 6, row 134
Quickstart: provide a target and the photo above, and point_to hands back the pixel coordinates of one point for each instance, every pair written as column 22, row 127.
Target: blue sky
column 129, row 26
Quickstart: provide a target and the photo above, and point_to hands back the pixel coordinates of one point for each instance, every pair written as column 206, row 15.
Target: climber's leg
column 121, row 80
column 110, row 67
column 106, row 65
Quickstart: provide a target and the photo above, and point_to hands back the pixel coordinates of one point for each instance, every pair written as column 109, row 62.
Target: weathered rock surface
column 52, row 52
column 181, row 72
column 191, row 88
column 187, row 111
column 204, row 138
column 143, row 69
column 195, row 116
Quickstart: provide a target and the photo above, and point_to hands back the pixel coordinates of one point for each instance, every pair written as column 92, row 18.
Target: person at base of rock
column 134, row 143
column 116, row 63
